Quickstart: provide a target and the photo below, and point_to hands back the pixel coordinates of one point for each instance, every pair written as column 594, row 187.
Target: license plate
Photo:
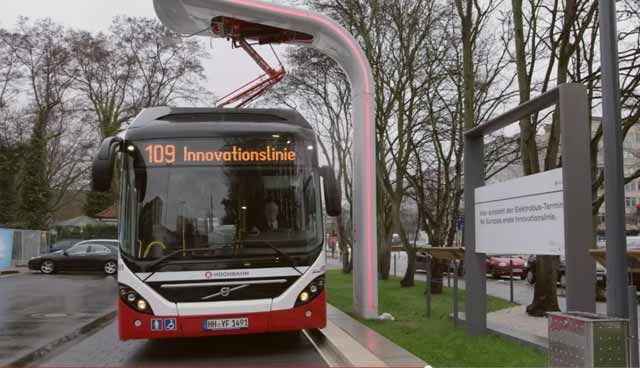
column 517, row 270
column 225, row 324
column 599, row 278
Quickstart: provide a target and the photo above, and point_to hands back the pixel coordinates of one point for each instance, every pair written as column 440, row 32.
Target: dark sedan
column 63, row 244
column 90, row 255
column 601, row 274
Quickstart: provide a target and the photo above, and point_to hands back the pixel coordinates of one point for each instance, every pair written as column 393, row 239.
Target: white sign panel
column 521, row 216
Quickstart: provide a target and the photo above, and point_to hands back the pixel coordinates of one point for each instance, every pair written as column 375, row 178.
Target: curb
column 363, row 346
column 42, row 351
column 334, row 344
column 327, row 349
column 9, row 273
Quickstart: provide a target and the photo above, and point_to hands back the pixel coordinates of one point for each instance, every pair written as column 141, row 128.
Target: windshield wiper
column 292, row 262
column 148, row 266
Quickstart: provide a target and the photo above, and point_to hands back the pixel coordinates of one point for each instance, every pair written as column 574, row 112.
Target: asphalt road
column 104, row 349
column 36, row 309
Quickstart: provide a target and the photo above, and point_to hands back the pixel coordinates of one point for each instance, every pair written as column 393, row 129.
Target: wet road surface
column 103, row 348
column 36, row 309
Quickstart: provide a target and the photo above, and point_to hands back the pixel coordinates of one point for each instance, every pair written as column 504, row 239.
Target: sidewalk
column 362, row 346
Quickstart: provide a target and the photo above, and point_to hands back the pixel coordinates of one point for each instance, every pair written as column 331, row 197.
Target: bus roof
column 165, row 122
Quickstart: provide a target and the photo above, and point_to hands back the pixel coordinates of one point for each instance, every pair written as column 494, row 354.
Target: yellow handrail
column 157, row 242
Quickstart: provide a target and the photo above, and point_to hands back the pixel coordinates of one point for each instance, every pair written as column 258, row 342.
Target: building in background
column 631, row 157
column 631, row 154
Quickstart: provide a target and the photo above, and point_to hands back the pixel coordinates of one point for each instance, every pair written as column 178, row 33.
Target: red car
column 498, row 266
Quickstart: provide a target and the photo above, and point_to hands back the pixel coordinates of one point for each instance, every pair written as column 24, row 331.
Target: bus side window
column 126, row 239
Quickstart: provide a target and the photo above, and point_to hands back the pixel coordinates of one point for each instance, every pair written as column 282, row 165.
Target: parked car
column 601, row 273
column 500, row 265
column 97, row 255
column 63, row 244
column 633, row 242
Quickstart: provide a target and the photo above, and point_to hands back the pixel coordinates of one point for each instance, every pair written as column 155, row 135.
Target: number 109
column 161, row 153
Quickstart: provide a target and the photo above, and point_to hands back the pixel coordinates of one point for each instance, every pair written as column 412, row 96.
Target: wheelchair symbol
column 170, row 324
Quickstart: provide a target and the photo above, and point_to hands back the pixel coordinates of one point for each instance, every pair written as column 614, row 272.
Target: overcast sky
column 226, row 70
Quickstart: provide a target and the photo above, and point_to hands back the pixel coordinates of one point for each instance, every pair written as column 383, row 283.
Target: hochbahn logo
column 209, row 274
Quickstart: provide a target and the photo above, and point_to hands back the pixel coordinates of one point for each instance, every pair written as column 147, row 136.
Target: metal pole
column 576, row 194
column 455, row 294
column 428, row 286
column 633, row 326
column 511, row 280
column 475, row 279
column 395, row 270
column 613, row 163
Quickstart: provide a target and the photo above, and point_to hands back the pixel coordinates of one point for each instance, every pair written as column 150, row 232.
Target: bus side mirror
column 102, row 168
column 332, row 194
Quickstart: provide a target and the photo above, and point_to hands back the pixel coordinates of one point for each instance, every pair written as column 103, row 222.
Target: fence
column 27, row 244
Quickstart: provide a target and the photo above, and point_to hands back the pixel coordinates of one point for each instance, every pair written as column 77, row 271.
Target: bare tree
column 69, row 154
column 10, row 132
column 167, row 67
column 436, row 169
column 103, row 74
column 318, row 88
column 44, row 59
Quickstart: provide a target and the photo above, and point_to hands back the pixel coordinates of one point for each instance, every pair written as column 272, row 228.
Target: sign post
column 613, row 163
column 575, row 195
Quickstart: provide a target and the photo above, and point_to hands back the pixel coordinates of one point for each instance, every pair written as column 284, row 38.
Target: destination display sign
column 219, row 152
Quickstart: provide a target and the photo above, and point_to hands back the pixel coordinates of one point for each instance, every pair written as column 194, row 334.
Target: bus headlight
column 141, row 304
column 312, row 290
column 134, row 301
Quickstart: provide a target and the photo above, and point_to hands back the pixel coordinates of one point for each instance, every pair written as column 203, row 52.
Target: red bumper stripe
column 153, row 327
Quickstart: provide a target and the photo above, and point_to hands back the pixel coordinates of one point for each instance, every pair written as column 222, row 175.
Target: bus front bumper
column 135, row 325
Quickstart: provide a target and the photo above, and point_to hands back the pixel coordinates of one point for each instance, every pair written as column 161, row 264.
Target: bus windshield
column 226, row 210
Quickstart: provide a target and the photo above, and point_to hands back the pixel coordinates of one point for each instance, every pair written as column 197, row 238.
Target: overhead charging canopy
column 313, row 30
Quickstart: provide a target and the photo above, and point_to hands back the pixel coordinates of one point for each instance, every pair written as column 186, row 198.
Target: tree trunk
column 345, row 245
column 384, row 265
column 528, row 149
column 409, row 275
column 438, row 269
column 545, row 292
column 347, row 262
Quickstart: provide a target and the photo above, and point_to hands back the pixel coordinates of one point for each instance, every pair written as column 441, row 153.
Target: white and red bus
column 220, row 222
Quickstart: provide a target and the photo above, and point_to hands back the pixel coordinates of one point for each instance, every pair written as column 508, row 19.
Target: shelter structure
column 271, row 23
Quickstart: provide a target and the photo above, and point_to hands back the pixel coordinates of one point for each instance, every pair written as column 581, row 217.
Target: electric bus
column 220, row 222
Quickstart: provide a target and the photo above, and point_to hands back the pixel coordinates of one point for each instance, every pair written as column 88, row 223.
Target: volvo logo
column 225, row 291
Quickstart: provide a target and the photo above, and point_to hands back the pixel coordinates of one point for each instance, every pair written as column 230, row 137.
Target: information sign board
column 521, row 216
